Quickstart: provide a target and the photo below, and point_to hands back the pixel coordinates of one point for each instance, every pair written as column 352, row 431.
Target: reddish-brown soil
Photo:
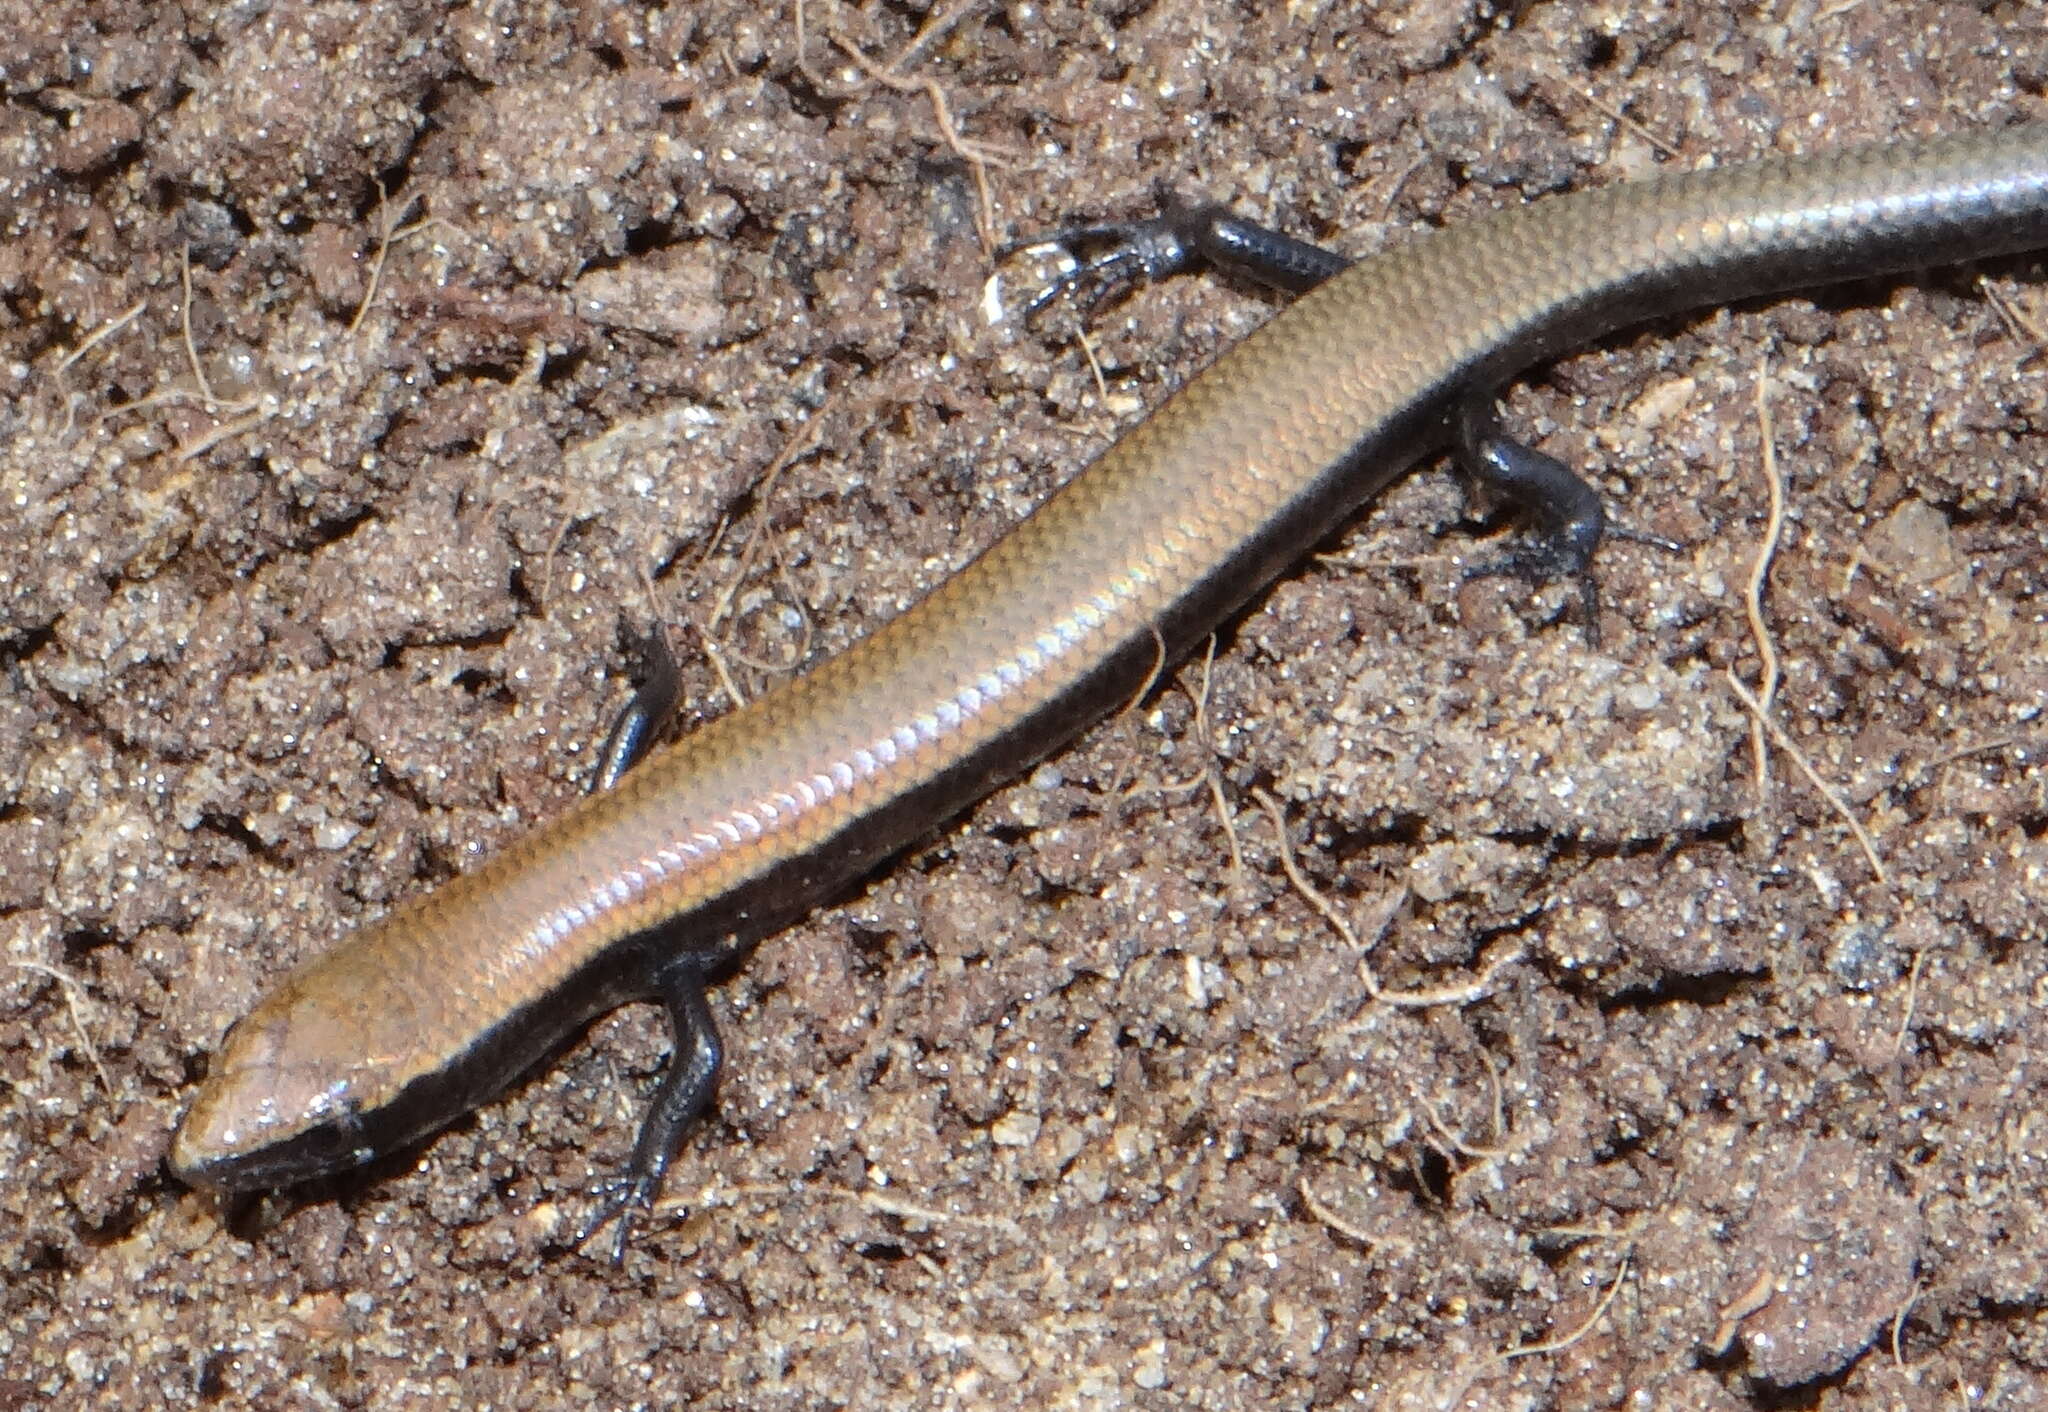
column 323, row 582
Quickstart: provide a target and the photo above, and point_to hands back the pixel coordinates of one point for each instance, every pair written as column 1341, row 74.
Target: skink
column 652, row 887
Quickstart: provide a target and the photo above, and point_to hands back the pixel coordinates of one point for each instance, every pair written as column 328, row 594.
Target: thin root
column 1417, row 998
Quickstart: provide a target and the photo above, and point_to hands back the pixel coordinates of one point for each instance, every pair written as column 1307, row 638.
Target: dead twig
column 1559, row 1345
column 185, row 326
column 1455, row 1388
column 976, row 155
column 1799, row 758
column 796, row 446
column 1759, row 575
column 1912, row 1000
column 1618, row 116
column 193, row 450
column 1315, row 1207
column 2022, row 327
column 1899, row 1325
column 85, row 345
column 1210, row 775
column 74, row 1006
column 101, row 334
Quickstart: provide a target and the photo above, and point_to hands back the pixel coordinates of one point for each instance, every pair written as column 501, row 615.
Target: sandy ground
column 323, row 582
